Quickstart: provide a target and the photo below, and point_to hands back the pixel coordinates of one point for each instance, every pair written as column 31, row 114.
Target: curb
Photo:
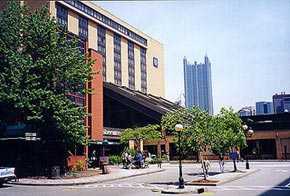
column 83, row 183
column 183, row 191
column 225, row 181
column 177, row 191
column 238, row 177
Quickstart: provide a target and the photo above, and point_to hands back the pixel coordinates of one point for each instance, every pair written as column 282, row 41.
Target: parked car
column 7, row 174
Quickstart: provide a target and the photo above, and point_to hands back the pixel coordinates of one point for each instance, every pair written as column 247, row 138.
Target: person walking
column 221, row 162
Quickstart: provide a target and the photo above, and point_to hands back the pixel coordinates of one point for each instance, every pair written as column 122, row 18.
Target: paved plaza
column 272, row 178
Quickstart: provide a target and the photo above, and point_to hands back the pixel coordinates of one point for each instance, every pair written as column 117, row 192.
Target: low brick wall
column 73, row 161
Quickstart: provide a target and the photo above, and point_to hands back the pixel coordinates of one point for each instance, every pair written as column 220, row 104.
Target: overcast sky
column 248, row 43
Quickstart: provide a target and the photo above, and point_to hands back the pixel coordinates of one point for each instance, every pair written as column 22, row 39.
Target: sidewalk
column 220, row 178
column 116, row 173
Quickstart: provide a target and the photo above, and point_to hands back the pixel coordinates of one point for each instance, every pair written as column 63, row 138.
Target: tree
column 228, row 132
column 149, row 132
column 196, row 136
column 38, row 68
column 183, row 116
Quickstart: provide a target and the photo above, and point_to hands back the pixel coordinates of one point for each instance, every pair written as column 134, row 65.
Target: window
column 131, row 65
column 84, row 8
column 82, row 46
column 117, row 60
column 83, row 28
column 155, row 62
column 102, row 47
column 61, row 15
column 143, row 70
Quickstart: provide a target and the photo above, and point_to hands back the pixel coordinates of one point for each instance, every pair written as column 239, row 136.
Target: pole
column 103, row 149
column 247, row 160
column 181, row 181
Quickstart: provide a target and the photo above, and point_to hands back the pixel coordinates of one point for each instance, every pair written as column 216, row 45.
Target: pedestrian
column 221, row 162
column 238, row 155
column 94, row 159
column 125, row 159
column 159, row 161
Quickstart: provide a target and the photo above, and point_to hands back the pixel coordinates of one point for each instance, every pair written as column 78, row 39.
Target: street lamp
column 105, row 142
column 248, row 132
column 179, row 128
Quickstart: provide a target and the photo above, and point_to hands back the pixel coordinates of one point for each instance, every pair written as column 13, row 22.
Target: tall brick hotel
column 128, row 87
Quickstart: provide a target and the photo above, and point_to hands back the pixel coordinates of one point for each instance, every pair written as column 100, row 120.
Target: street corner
column 116, row 174
column 221, row 178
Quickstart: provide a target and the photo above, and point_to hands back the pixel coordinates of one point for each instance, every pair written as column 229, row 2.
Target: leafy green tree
column 227, row 128
column 196, row 135
column 38, row 68
column 149, row 132
column 182, row 116
column 195, row 123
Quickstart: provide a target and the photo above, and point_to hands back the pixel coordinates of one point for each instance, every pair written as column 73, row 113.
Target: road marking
column 158, row 187
column 249, row 188
column 281, row 170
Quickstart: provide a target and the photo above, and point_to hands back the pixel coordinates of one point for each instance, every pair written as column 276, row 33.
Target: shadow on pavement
column 4, row 186
column 164, row 183
column 200, row 173
column 283, row 190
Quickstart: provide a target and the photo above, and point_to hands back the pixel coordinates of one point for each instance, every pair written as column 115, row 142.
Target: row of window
column 102, row 47
column 143, row 70
column 101, row 39
column 131, row 65
column 61, row 15
column 117, row 60
column 83, row 28
column 93, row 13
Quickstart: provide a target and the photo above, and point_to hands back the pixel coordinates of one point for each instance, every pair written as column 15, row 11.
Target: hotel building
column 125, row 57
column 130, row 57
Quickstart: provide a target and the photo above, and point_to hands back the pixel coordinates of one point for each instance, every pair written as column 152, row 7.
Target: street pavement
column 273, row 178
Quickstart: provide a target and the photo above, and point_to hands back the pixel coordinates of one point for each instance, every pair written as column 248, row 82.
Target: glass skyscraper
column 198, row 85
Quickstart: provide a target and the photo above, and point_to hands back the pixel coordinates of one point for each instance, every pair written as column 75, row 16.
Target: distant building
column 198, row 85
column 247, row 111
column 264, row 107
column 281, row 103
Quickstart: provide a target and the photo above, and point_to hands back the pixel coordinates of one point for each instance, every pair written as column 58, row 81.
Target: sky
column 248, row 43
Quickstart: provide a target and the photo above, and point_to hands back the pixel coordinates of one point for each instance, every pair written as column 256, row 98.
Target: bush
column 115, row 159
column 165, row 158
column 80, row 166
column 155, row 161
column 132, row 152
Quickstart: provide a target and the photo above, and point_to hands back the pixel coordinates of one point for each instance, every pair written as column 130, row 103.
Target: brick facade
column 281, row 137
column 94, row 100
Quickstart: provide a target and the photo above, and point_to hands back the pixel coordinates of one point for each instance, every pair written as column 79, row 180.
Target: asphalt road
column 272, row 179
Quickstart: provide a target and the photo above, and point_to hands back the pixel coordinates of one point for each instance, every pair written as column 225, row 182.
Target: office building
column 264, row 107
column 247, row 111
column 198, row 85
column 281, row 103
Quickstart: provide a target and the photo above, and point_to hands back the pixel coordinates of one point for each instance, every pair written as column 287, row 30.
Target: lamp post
column 248, row 132
column 179, row 128
column 105, row 142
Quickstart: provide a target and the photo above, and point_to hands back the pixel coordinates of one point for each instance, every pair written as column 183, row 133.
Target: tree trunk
column 203, row 168
column 197, row 157
column 235, row 165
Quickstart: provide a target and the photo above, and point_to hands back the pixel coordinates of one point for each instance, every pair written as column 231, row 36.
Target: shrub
column 79, row 166
column 115, row 159
column 155, row 161
column 132, row 152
